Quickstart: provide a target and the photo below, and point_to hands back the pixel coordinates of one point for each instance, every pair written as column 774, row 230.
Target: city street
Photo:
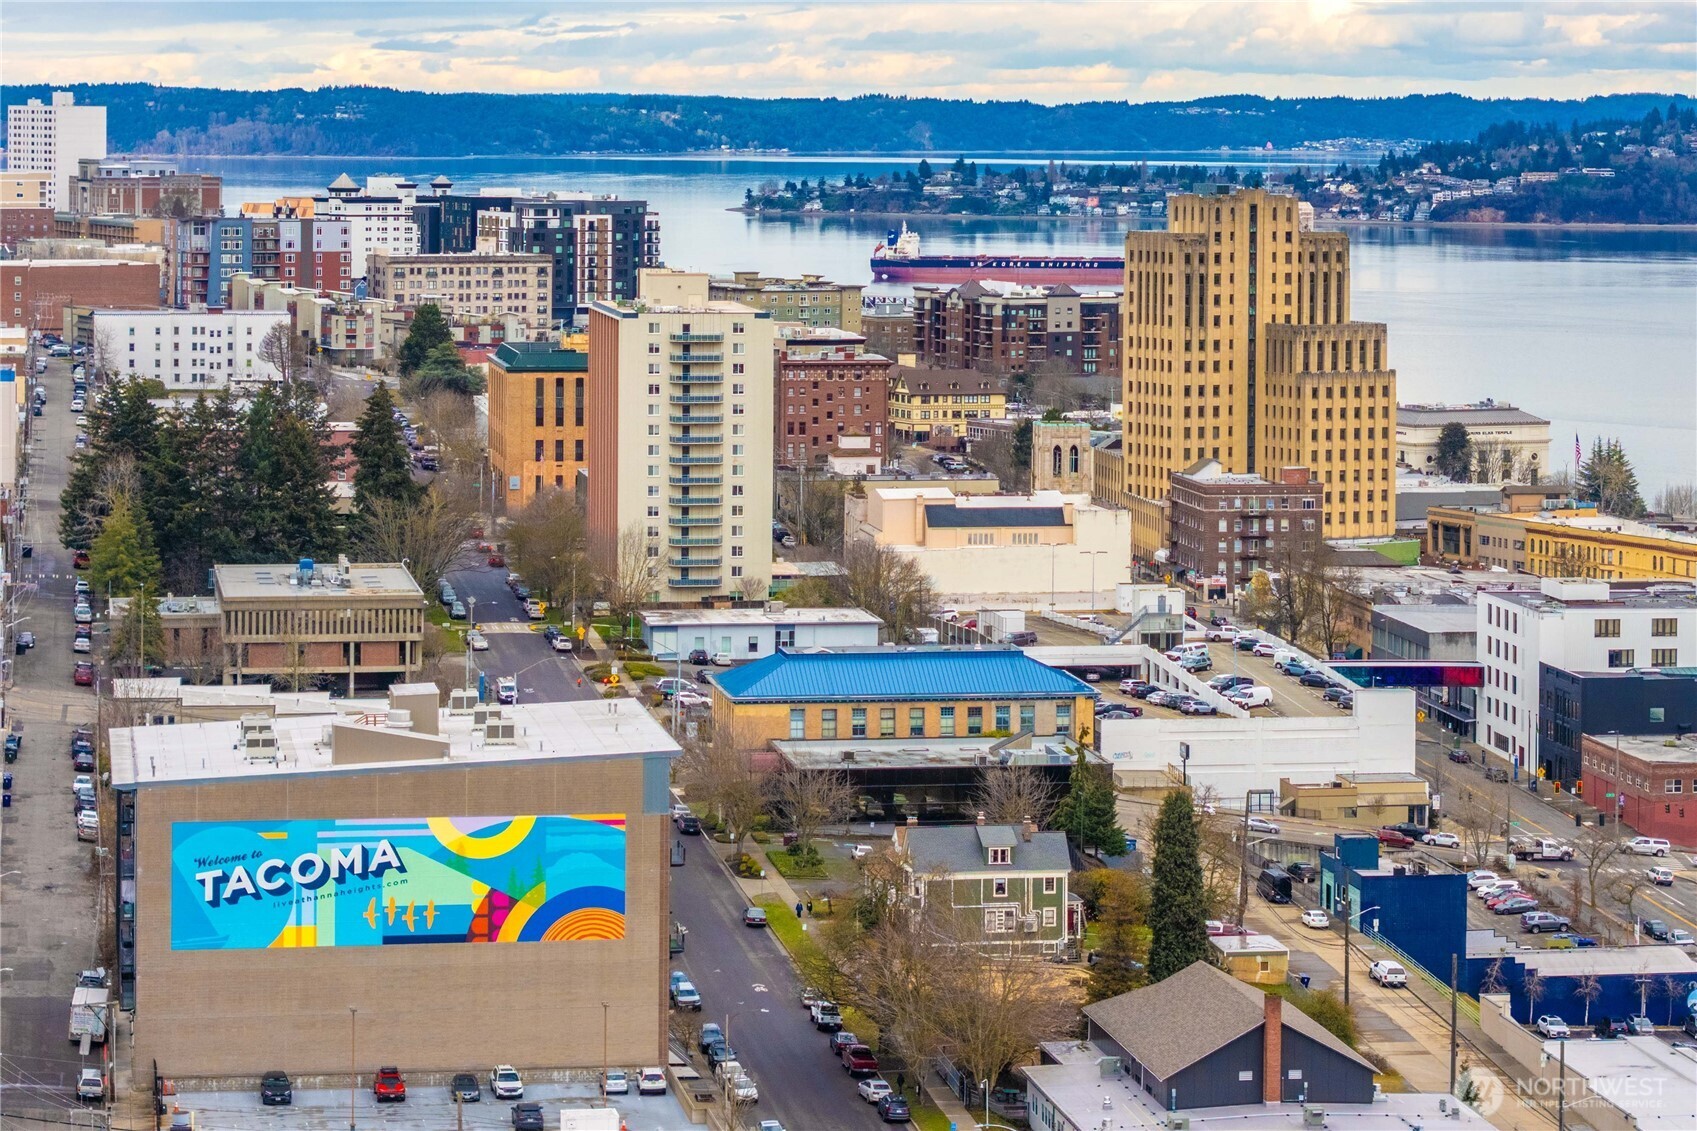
column 47, row 876
column 747, row 984
column 516, row 644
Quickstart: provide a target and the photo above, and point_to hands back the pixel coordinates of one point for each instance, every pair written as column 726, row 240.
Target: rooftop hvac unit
column 1178, row 1123
column 399, row 718
column 461, row 702
column 485, row 714
column 1313, row 1117
column 500, row 732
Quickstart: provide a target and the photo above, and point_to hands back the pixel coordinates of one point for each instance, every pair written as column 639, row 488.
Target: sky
column 1056, row 51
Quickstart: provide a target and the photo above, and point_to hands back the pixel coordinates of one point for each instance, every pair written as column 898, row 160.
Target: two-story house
column 1012, row 878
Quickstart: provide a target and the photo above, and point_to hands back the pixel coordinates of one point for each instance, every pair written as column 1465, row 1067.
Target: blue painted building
column 202, row 255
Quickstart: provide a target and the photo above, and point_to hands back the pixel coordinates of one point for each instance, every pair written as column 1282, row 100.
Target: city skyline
column 1043, row 53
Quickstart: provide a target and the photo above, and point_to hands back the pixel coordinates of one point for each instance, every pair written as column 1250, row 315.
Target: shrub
column 639, row 670
column 748, row 867
column 760, row 837
column 598, row 672
column 611, row 693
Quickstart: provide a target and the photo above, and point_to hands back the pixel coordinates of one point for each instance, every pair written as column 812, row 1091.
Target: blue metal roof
column 897, row 674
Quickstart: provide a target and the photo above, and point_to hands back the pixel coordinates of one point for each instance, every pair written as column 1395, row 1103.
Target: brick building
column 304, row 252
column 469, row 284
column 36, row 291
column 537, row 416
column 811, row 300
column 828, row 385
column 20, row 222
column 1653, row 780
column 116, row 186
column 1006, row 328
column 889, row 329
column 1225, row 526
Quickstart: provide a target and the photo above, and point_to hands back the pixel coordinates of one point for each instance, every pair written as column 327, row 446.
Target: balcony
column 693, row 582
column 698, row 378
column 697, row 438
column 695, row 398
column 685, row 541
column 706, row 418
column 697, row 358
column 695, row 500
column 695, row 520
column 688, row 563
column 695, row 480
column 697, row 337
column 685, row 460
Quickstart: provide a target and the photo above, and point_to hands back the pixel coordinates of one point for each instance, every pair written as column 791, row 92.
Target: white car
column 690, row 698
column 476, row 641
column 741, row 1087
column 651, row 1082
column 1495, row 888
column 77, row 404
column 81, row 782
column 874, row 1088
column 722, row 660
column 1441, row 840
column 1479, row 877
column 505, row 1083
column 82, row 644
column 1680, row 937
column 561, row 643
column 1647, row 846
column 506, row 690
column 615, row 1083
column 1316, row 918
column 1261, row 825
column 1388, row 973
column 1224, row 632
column 1661, row 877
column 857, row 851
column 1265, row 648
column 1553, row 1027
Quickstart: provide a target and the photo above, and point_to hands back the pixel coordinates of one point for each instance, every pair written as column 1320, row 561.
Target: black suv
column 465, row 1088
column 527, row 1117
column 275, row 1089
column 698, row 656
column 688, row 824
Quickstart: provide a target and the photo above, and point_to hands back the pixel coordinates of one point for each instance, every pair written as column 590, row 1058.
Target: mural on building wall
column 249, row 885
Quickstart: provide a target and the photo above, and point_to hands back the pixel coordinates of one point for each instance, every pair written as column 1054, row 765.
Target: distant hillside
column 377, row 121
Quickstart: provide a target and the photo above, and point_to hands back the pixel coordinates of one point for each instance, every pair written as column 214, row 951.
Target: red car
column 497, row 560
column 79, row 560
column 388, row 1086
column 84, row 674
column 1395, row 838
column 858, row 1059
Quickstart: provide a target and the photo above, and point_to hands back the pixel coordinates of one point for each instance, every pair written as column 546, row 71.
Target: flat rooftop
column 327, row 581
column 1608, row 960
column 543, row 732
column 1653, row 1082
column 1555, row 594
column 1430, row 617
column 1248, row 944
column 889, row 753
column 666, row 618
column 1650, row 747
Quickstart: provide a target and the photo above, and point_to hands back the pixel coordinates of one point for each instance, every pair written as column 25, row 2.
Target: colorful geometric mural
column 248, row 885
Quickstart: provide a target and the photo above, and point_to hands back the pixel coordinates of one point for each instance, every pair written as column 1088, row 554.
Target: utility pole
column 1454, row 962
column 1243, row 862
column 1346, row 936
column 353, row 1061
column 1561, row 1090
column 603, row 1054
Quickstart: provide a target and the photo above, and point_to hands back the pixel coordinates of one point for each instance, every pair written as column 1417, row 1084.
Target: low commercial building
column 354, row 625
column 828, row 386
column 188, row 351
column 125, row 186
column 18, row 222
column 472, row 283
column 932, row 406
column 1226, row 526
column 1260, row 960
column 1435, row 632
column 1565, row 538
column 1509, row 444
column 1045, row 549
column 291, row 882
column 748, row 634
column 1368, row 801
column 537, row 419
column 1010, row 881
column 1573, row 704
column 909, row 693
column 1645, row 781
column 37, row 291
column 810, row 300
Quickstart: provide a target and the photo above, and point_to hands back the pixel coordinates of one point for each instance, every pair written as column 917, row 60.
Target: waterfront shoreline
column 1473, row 225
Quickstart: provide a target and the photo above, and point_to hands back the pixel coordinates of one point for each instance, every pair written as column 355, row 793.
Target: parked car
column 1479, row 877
column 83, row 674
column 275, row 1089
column 651, row 1082
column 1572, row 939
column 1225, row 682
column 1641, row 1026
column 91, row 1084
column 1193, row 706
column 894, row 1109
column 1515, row 905
column 1313, row 678
column 1661, row 877
column 24, row 642
column 497, row 560
column 1388, row 973
column 529, row 1117
column 1678, row 936
column 506, row 689
column 82, row 644
column 1197, row 662
column 1647, row 846
column 827, row 1018
column 1136, row 688
column 388, row 1086
column 615, row 1083
column 1115, row 711
column 1222, row 632
column 1654, row 928
column 1261, row 825
column 698, row 656
column 1395, row 838
column 686, row 996
column 1553, row 1027
column 722, row 660
column 1301, row 871
column 1459, row 755
column 858, row 1059
column 874, row 1088
column 1316, row 918
column 720, row 1053
column 841, row 1040
column 1441, row 840
column 1335, row 693
column 688, row 824
column 505, row 1083
column 711, row 1034
column 1161, row 698
column 754, row 916
column 1265, row 648
column 1540, row 921
column 476, row 641
column 465, row 1088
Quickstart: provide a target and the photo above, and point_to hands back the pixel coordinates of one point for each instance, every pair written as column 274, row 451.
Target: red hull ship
column 898, row 260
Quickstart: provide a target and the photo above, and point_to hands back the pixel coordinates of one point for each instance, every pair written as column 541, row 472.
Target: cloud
column 1055, row 51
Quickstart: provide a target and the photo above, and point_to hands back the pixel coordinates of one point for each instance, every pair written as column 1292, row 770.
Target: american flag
column 1578, row 455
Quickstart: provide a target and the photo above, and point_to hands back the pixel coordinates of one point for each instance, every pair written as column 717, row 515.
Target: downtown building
column 186, row 351
column 1225, row 526
column 811, row 300
column 828, row 387
column 128, row 186
column 1000, row 328
column 51, row 137
column 680, row 440
column 473, row 286
column 379, row 216
column 202, row 255
column 1239, row 347
column 538, row 420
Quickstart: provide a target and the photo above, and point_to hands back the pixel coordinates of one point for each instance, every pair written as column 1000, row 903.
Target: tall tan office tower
column 1238, row 347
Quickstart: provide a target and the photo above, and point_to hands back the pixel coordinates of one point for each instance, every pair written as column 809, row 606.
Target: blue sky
column 1058, row 51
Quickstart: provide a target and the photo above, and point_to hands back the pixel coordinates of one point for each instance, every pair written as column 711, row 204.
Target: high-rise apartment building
column 312, row 253
column 380, row 216
column 1238, row 346
column 680, row 440
column 472, row 286
column 202, row 255
column 52, row 137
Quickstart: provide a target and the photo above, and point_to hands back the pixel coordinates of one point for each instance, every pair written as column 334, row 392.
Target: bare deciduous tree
column 807, row 800
column 428, row 535
column 891, row 586
column 1587, row 988
column 285, row 350
column 549, row 544
column 452, row 422
column 1677, row 499
column 1009, row 793
column 717, row 772
column 1532, row 985
column 1672, row 987
column 629, row 573
column 1594, row 848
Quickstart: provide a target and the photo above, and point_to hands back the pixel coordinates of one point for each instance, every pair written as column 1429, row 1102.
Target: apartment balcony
column 695, row 500
column 687, row 460
column 693, row 563
column 693, row 582
column 705, row 418
column 695, row 398
column 695, row 480
column 697, row 358
column 698, row 378
column 697, row 438
column 695, row 520
column 686, row 541
column 697, row 337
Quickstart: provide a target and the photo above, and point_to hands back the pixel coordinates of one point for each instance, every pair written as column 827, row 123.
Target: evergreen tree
column 1087, row 813
column 123, row 429
column 284, row 468
column 1607, row 478
column 924, row 169
column 1454, row 456
column 141, row 619
column 1178, row 909
column 444, row 369
column 1022, row 446
column 384, row 471
column 1121, row 908
column 194, row 489
column 429, row 329
column 123, row 561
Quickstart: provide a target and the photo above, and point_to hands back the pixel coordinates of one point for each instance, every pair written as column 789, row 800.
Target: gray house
column 1012, row 875
column 1201, row 1038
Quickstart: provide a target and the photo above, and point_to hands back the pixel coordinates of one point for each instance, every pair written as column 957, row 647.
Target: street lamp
column 604, row 1054
column 471, row 621
column 1347, row 917
column 1093, row 555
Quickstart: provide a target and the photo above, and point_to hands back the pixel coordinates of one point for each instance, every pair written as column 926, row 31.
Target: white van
column 1251, row 696
column 1647, row 846
column 1188, row 648
column 1285, row 656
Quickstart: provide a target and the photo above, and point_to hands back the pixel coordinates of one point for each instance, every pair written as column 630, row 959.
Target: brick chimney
column 912, row 821
column 981, row 816
column 1272, row 1048
column 1027, row 827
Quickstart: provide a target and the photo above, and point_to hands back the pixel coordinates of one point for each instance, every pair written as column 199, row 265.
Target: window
column 916, row 722
column 798, row 722
column 975, row 720
column 1621, row 657
column 1001, row 856
column 998, row 888
column 1063, row 718
column 1664, row 657
column 1001, row 716
column 1673, row 785
column 857, row 722
column 1049, row 915
column 828, row 722
column 886, row 722
column 999, row 920
column 1050, row 885
column 1027, row 717
column 1607, row 628
column 1664, row 626
column 946, row 725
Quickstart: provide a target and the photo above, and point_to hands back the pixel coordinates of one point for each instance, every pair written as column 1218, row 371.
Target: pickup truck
column 827, row 1018
column 858, row 1060
column 388, row 1086
column 1541, row 848
column 1387, row 973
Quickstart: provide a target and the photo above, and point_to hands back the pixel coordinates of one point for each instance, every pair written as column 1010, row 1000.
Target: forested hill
column 378, row 121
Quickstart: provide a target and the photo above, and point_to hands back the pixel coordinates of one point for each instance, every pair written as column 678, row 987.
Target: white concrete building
column 1045, row 550
column 748, row 634
column 189, row 351
column 1579, row 626
column 680, row 437
column 379, row 216
column 1510, row 445
column 52, row 137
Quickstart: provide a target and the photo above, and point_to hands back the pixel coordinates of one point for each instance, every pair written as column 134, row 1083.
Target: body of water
column 1594, row 329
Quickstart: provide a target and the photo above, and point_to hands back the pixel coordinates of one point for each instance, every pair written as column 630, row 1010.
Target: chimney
column 1272, row 1048
column 981, row 816
column 912, row 821
column 1028, row 826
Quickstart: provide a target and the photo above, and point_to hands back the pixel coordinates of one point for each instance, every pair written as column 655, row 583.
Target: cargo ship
column 898, row 260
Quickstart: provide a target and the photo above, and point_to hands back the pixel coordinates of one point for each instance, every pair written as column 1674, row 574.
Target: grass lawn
column 785, row 865
column 782, row 922
column 437, row 615
column 928, row 1118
